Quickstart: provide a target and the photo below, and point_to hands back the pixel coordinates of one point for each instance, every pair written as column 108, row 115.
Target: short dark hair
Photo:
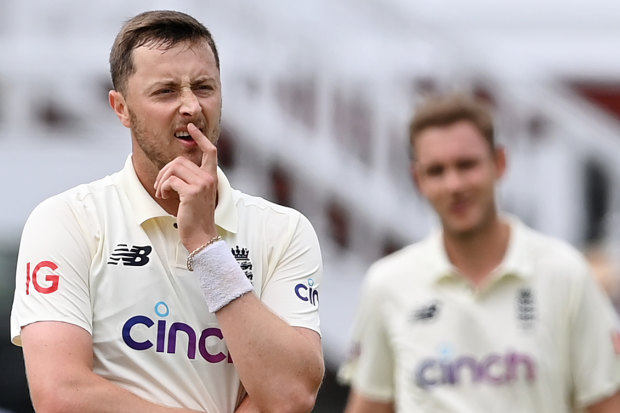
column 160, row 28
column 446, row 110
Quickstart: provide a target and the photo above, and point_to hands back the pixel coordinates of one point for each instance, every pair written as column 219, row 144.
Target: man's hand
column 196, row 187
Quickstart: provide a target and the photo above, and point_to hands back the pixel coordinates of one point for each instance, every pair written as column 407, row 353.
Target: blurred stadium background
column 317, row 95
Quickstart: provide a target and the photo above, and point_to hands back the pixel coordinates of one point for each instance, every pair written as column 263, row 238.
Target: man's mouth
column 459, row 206
column 185, row 136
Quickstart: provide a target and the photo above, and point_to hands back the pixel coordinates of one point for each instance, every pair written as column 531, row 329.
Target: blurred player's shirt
column 539, row 332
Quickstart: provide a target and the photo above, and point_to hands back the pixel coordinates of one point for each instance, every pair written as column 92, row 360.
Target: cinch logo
column 135, row 257
column 307, row 292
column 493, row 369
column 165, row 337
column 53, row 279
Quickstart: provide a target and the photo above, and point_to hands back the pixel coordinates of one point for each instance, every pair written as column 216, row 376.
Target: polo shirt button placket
column 181, row 253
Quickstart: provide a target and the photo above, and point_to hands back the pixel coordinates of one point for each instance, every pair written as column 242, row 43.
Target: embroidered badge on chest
column 526, row 309
column 242, row 255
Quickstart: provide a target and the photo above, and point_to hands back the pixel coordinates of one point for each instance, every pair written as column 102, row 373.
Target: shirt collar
column 144, row 207
column 517, row 260
column 514, row 263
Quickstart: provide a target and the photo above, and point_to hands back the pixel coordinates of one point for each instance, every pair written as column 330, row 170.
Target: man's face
column 456, row 170
column 169, row 89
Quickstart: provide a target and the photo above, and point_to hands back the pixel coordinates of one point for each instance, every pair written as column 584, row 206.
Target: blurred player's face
column 456, row 170
column 169, row 89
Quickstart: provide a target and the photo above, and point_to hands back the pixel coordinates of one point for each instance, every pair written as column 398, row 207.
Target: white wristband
column 221, row 278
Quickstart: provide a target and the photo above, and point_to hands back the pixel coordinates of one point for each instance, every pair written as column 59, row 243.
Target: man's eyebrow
column 161, row 83
column 173, row 83
column 203, row 79
column 432, row 165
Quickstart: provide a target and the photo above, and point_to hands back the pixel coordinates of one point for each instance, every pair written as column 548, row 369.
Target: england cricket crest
column 243, row 259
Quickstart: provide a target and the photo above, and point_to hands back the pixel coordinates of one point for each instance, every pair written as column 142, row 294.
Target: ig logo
column 52, row 279
column 307, row 292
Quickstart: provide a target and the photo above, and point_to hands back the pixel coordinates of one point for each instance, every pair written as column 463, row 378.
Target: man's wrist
column 220, row 277
column 190, row 257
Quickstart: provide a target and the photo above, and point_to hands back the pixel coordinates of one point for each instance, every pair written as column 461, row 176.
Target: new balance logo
column 136, row 256
column 426, row 312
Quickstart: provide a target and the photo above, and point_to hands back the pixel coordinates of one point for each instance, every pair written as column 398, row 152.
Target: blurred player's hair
column 446, row 110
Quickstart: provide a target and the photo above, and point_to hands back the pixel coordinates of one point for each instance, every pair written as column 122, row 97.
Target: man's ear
column 415, row 174
column 118, row 104
column 500, row 161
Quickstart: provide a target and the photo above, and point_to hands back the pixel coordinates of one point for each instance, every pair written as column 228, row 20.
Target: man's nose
column 453, row 180
column 189, row 103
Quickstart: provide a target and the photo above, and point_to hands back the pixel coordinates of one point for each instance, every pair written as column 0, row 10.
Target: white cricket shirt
column 537, row 338
column 106, row 257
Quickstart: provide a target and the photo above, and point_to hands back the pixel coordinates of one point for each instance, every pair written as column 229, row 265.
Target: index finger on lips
column 209, row 153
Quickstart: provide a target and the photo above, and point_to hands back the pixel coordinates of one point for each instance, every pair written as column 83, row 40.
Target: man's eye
column 434, row 171
column 164, row 91
column 203, row 88
column 467, row 164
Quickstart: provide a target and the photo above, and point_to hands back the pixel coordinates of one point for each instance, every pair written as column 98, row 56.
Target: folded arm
column 59, row 367
column 281, row 367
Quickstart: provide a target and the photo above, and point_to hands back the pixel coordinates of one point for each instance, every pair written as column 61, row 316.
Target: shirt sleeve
column 369, row 368
column 292, row 288
column 52, row 269
column 595, row 338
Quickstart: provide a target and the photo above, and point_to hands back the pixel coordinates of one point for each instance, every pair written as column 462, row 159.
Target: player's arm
column 594, row 354
column 369, row 366
column 59, row 367
column 609, row 405
column 286, row 389
column 289, row 358
column 361, row 404
column 281, row 367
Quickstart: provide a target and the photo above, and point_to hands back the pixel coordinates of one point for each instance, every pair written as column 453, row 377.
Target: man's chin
column 460, row 228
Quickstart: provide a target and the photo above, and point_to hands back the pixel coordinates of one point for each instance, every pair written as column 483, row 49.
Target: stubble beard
column 159, row 157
